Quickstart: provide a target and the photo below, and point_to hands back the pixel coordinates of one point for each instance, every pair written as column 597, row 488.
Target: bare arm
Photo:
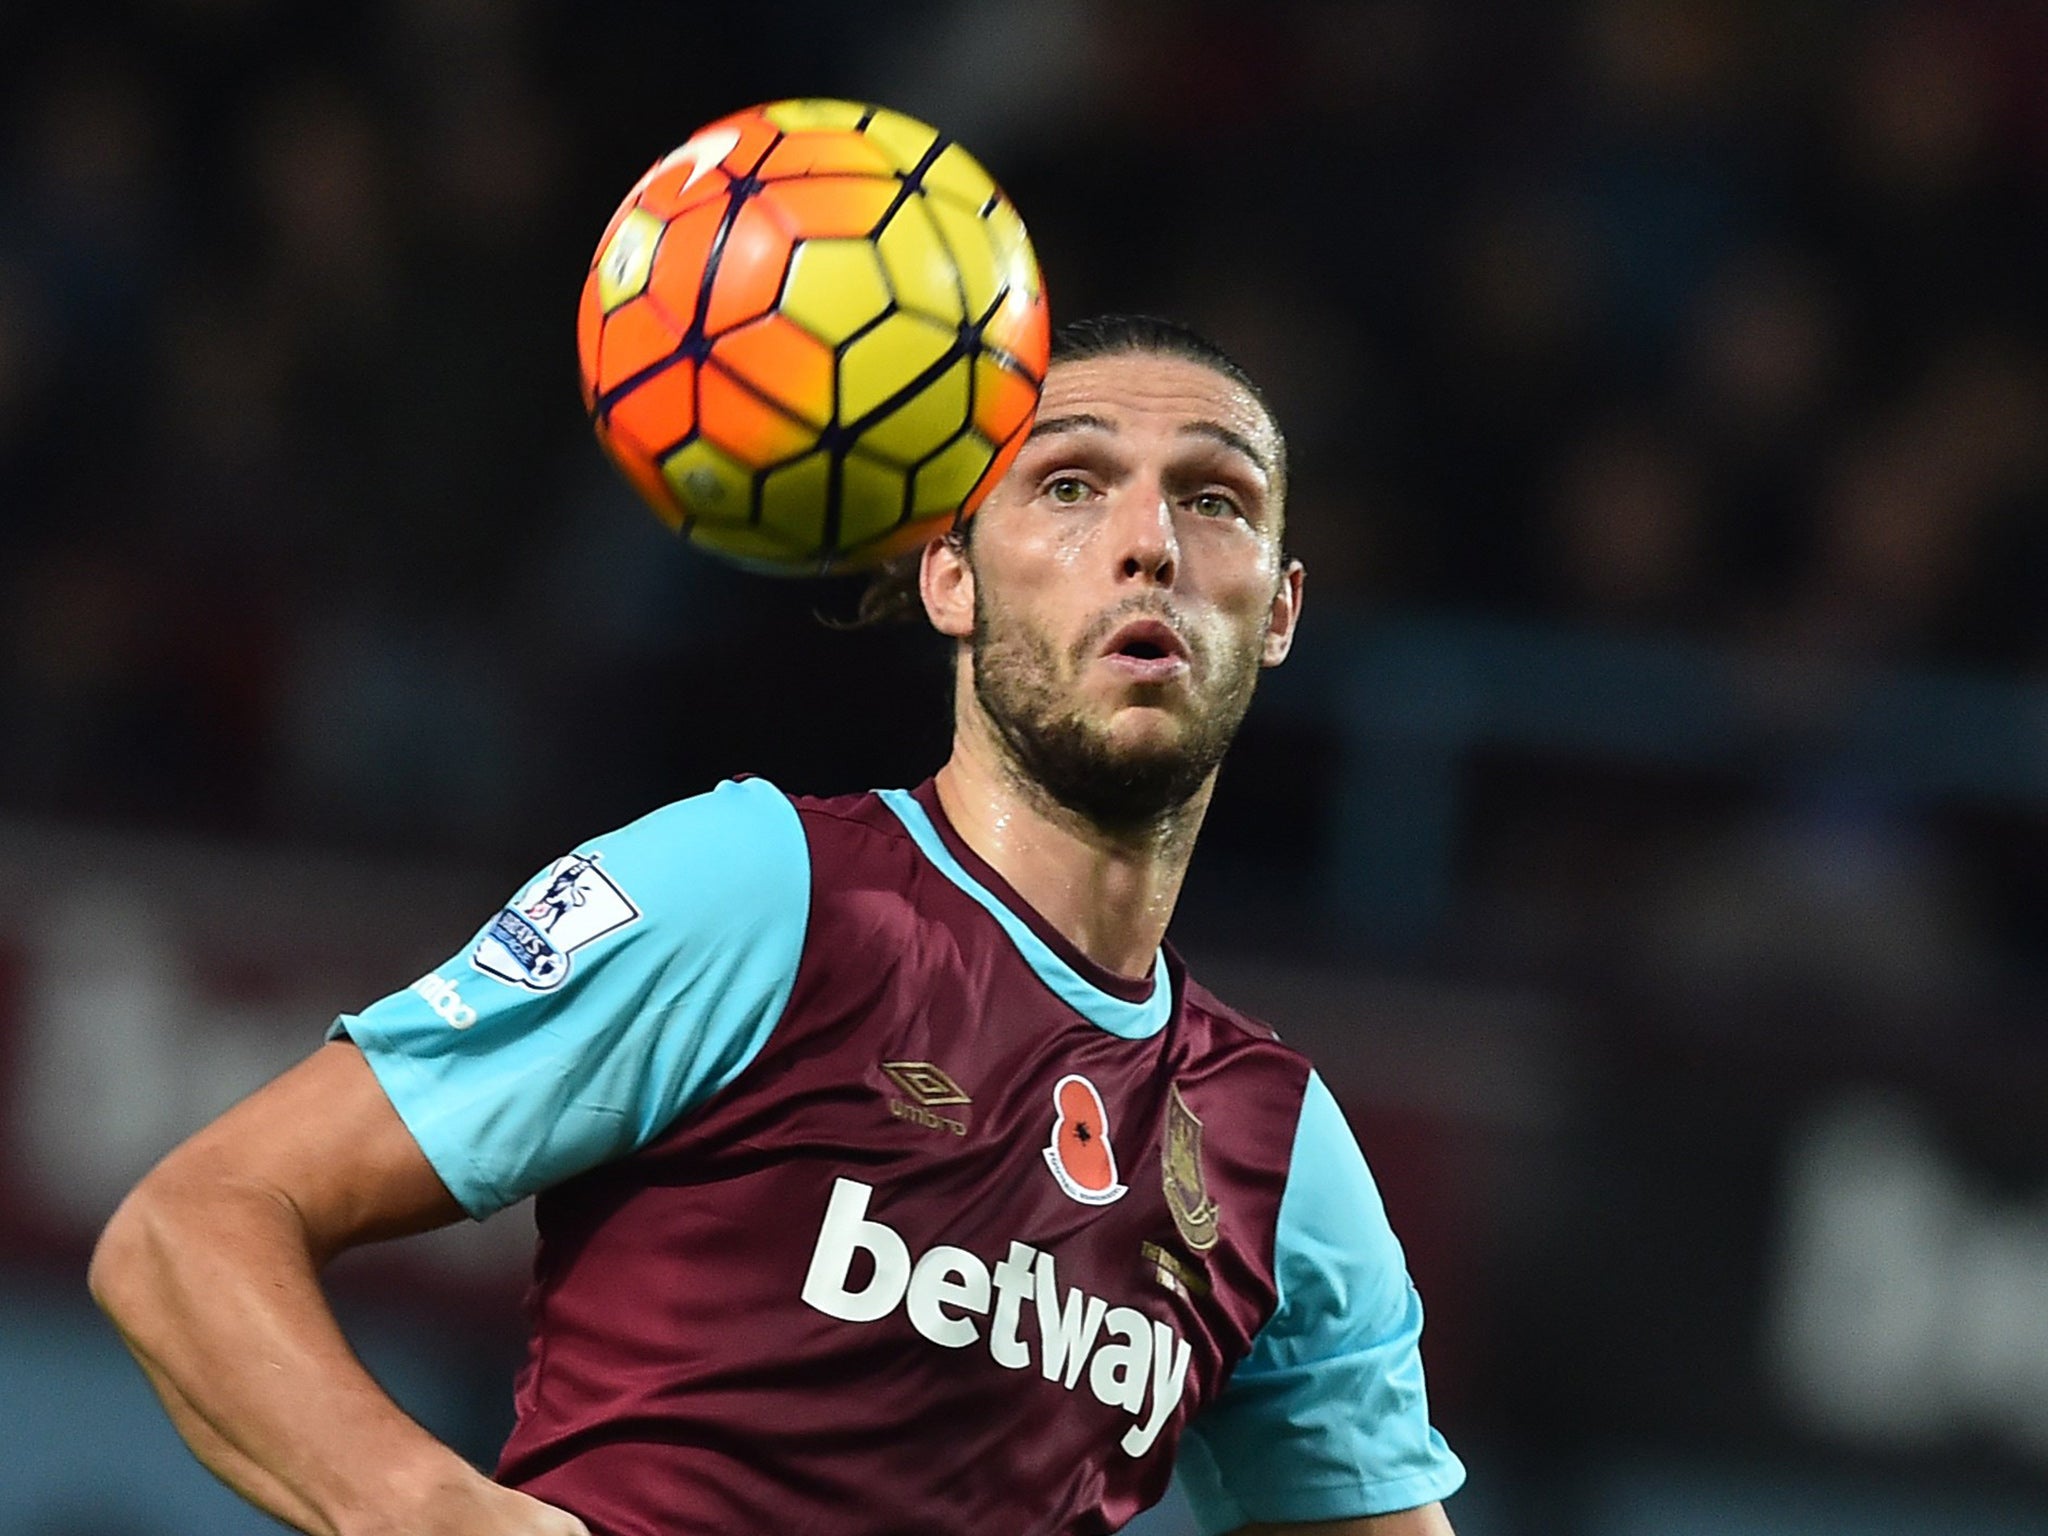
column 210, row 1269
column 1429, row 1520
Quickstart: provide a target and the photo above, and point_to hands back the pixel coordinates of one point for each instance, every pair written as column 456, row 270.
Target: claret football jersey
column 869, row 1206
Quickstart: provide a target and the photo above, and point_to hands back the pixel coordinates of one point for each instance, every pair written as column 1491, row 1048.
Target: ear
column 1285, row 614
column 945, row 580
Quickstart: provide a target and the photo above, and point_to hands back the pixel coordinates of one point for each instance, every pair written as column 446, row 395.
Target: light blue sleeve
column 1326, row 1418
column 627, row 983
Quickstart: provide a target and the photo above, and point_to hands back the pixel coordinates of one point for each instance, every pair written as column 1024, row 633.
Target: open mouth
column 1147, row 640
column 1147, row 652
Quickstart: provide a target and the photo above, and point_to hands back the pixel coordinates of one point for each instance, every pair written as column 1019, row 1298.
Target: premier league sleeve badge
column 529, row 943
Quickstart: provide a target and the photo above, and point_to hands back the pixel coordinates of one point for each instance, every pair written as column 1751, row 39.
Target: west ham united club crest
column 1187, row 1192
column 529, row 943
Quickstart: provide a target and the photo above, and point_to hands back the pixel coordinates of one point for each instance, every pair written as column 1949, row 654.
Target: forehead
column 1147, row 391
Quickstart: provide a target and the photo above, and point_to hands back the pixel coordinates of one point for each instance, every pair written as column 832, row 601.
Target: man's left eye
column 1215, row 504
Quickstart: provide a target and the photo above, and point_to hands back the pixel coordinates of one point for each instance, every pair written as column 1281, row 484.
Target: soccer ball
column 813, row 336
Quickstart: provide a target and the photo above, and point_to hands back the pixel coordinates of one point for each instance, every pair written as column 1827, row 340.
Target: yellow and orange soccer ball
column 813, row 336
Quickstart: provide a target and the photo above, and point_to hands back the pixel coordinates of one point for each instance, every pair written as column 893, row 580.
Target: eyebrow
column 1215, row 431
column 1080, row 421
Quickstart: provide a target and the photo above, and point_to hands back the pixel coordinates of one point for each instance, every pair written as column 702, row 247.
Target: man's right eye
column 1067, row 490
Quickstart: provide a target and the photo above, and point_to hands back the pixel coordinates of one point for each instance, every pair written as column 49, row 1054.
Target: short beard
column 1018, row 682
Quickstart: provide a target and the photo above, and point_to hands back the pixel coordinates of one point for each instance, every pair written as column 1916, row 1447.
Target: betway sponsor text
column 1132, row 1361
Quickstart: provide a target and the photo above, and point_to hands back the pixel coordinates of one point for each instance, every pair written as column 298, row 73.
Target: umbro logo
column 925, row 1083
column 926, row 1090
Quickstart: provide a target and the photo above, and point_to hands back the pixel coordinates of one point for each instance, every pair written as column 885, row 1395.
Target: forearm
column 220, row 1457
column 216, row 1291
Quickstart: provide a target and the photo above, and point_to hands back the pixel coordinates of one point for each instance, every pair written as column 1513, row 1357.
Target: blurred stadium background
column 1650, row 836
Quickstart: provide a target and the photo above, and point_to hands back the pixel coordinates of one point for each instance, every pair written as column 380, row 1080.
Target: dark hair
column 1116, row 335
column 891, row 595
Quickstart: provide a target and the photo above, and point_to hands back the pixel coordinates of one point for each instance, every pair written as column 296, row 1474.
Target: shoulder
column 740, row 831
column 741, row 811
column 733, row 806
column 859, row 845
column 1231, row 1021
column 862, row 820
column 721, row 861
column 1259, row 1061
column 1244, row 1078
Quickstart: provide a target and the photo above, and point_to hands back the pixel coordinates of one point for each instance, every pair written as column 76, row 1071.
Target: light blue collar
column 1132, row 1021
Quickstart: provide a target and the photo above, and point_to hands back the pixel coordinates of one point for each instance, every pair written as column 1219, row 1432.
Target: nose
column 1148, row 548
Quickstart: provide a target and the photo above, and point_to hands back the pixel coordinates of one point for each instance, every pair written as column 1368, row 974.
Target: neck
column 1109, row 891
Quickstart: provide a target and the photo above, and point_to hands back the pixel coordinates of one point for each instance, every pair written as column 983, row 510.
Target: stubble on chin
column 1029, row 693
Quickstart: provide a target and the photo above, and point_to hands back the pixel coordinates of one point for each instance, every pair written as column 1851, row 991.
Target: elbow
column 130, row 1255
column 172, row 1237
column 120, row 1256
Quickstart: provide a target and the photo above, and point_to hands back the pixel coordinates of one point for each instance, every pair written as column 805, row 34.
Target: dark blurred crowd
column 1685, row 313
column 1715, row 318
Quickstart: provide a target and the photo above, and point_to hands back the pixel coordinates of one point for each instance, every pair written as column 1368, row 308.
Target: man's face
column 1127, row 583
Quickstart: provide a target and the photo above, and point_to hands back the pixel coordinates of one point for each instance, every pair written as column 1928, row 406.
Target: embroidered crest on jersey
column 1180, row 1170
column 529, row 943
column 1079, row 1154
